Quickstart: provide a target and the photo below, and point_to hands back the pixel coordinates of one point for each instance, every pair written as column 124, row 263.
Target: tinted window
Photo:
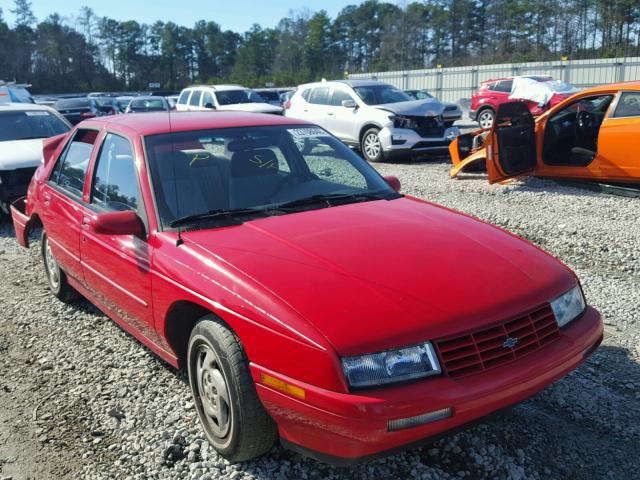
column 184, row 96
column 207, row 99
column 628, row 105
column 115, row 186
column 31, row 124
column 320, row 96
column 147, row 105
column 270, row 95
column 195, row 98
column 72, row 103
column 71, row 170
column 306, row 94
column 338, row 96
column 231, row 97
column 504, row 86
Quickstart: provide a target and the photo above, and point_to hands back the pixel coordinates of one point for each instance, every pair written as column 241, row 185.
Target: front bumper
column 350, row 427
column 402, row 142
column 473, row 115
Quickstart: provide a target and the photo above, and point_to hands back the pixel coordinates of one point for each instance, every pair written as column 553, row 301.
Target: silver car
column 377, row 118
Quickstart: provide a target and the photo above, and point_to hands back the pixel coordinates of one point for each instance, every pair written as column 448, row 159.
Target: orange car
column 592, row 135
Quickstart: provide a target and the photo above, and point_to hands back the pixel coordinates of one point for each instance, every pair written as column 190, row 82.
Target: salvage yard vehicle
column 12, row 92
column 76, row 110
column 588, row 136
column 383, row 122
column 224, row 97
column 145, row 104
column 23, row 126
column 294, row 285
column 539, row 92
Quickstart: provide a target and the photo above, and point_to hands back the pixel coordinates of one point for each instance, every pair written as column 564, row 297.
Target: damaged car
column 588, row 136
column 380, row 120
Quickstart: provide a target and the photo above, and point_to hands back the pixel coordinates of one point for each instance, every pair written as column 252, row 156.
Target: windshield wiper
column 219, row 213
column 329, row 199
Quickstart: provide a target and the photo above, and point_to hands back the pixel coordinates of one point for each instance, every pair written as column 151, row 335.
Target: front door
column 62, row 198
column 116, row 267
column 343, row 121
column 512, row 148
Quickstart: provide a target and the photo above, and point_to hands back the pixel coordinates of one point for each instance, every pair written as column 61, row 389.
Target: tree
column 23, row 13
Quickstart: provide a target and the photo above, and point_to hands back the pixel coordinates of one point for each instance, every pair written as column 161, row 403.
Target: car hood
column 383, row 274
column 20, row 154
column 429, row 107
column 252, row 107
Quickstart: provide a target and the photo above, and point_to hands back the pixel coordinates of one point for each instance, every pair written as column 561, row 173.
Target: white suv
column 224, row 97
column 379, row 119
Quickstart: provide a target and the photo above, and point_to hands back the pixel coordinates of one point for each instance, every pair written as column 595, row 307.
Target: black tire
column 220, row 381
column 486, row 116
column 370, row 145
column 56, row 278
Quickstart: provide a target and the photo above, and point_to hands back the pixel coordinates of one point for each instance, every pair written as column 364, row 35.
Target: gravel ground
column 79, row 398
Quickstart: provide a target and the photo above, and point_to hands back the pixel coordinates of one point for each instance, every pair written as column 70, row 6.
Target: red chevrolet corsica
column 306, row 297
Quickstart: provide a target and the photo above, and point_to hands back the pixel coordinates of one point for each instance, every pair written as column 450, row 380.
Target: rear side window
column 195, row 98
column 115, row 184
column 320, row 96
column 184, row 96
column 628, row 105
column 503, row 86
column 71, row 170
column 306, row 94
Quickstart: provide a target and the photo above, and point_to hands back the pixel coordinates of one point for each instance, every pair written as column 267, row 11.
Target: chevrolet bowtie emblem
column 510, row 342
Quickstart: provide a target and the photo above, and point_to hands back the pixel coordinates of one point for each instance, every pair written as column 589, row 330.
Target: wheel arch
column 366, row 127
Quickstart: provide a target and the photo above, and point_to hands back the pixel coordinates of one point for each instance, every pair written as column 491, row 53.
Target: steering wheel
column 585, row 123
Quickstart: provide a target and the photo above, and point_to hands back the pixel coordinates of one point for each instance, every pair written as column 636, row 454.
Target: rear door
column 318, row 107
column 512, row 148
column 619, row 131
column 116, row 267
column 62, row 198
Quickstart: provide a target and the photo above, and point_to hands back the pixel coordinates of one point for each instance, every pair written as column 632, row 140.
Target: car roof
column 539, row 78
column 21, row 107
column 219, row 87
column 630, row 85
column 166, row 122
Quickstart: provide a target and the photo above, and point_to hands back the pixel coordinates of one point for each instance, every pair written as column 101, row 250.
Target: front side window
column 628, row 105
column 270, row 170
column 207, row 100
column 115, row 183
column 338, row 97
column 381, row 94
column 195, row 98
column 71, row 170
column 15, row 125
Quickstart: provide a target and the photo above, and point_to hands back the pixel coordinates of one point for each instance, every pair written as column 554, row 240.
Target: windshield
column 380, row 94
column 255, row 168
column 231, row 97
column 30, row 124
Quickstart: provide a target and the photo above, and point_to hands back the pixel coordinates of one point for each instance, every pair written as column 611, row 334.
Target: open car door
column 512, row 147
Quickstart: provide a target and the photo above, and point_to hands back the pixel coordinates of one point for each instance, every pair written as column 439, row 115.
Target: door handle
column 330, row 114
column 86, row 221
column 46, row 196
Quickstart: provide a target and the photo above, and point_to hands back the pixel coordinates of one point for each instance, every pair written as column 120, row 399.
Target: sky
column 236, row 15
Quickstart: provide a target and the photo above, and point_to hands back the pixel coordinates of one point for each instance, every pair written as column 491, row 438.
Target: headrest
column 253, row 163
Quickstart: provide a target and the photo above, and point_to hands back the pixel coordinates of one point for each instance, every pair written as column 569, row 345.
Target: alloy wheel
column 485, row 119
column 372, row 146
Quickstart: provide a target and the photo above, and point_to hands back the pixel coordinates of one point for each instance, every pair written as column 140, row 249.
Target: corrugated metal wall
column 452, row 84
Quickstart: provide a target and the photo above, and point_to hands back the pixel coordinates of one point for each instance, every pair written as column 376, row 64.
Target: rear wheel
column 56, row 278
column 233, row 418
column 371, row 146
column 486, row 118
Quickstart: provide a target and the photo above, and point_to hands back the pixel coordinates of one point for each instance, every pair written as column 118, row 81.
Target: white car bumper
column 398, row 142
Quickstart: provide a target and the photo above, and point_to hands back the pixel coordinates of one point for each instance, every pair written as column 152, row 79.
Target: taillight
column 287, row 105
column 87, row 115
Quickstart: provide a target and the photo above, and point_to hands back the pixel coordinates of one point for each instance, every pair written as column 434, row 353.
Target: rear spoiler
column 50, row 145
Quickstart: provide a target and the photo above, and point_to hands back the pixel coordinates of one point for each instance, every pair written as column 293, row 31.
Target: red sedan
column 307, row 299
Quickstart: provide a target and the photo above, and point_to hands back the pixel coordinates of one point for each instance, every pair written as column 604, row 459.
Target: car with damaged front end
column 307, row 299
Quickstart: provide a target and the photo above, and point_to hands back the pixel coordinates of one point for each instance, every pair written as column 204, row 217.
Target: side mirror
column 349, row 104
column 393, row 182
column 209, row 105
column 118, row 223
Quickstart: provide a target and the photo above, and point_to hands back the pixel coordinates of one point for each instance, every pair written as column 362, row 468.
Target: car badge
column 510, row 342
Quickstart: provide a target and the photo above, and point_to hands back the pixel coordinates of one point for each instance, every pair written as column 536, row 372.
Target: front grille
column 429, row 126
column 485, row 349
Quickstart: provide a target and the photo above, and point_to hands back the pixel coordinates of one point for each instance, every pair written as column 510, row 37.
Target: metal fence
column 455, row 83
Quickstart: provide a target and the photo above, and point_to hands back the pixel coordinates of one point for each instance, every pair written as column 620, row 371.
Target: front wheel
column 56, row 278
column 233, row 418
column 371, row 146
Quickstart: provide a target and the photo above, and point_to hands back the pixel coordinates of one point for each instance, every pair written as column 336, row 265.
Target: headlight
column 568, row 306
column 391, row 366
column 403, row 122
